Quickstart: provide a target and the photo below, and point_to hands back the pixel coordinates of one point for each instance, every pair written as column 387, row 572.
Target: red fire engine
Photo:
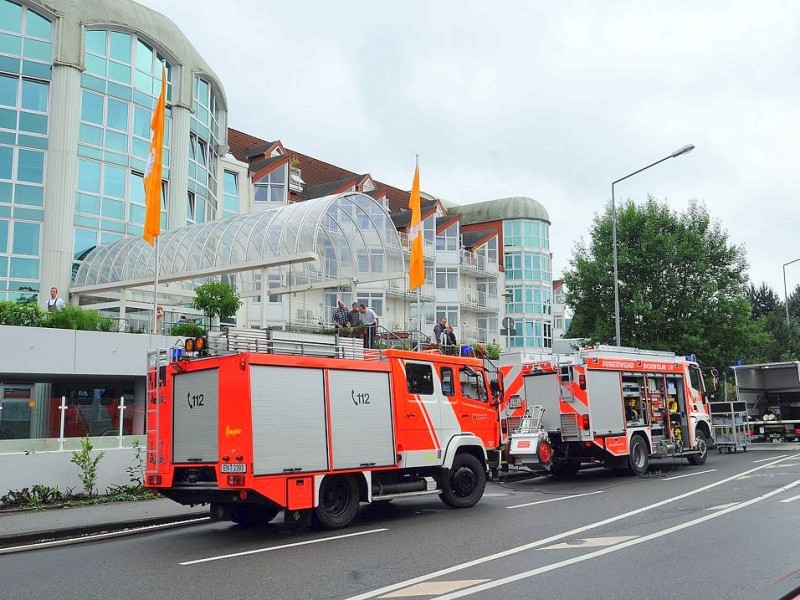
column 255, row 433
column 619, row 407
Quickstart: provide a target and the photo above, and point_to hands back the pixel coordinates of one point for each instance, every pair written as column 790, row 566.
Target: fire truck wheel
column 701, row 445
column 338, row 503
column 638, row 457
column 252, row 516
column 465, row 482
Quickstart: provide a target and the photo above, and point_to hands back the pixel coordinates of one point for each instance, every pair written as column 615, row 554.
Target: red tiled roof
column 316, row 172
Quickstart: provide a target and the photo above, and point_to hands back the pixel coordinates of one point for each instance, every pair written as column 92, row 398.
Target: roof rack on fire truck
column 234, row 340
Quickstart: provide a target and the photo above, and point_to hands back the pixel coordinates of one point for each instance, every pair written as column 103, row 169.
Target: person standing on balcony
column 440, row 331
column 370, row 321
column 341, row 317
column 354, row 316
column 55, row 302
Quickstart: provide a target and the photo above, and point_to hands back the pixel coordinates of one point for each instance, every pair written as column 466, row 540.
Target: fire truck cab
column 618, row 407
column 255, row 433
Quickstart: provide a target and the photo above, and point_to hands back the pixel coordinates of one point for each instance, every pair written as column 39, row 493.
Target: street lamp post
column 676, row 154
column 786, row 297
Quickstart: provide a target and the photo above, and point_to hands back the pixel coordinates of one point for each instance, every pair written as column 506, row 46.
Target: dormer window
column 276, row 152
column 368, row 185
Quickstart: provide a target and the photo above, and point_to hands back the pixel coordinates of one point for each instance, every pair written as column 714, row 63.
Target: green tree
column 216, row 299
column 763, row 300
column 682, row 286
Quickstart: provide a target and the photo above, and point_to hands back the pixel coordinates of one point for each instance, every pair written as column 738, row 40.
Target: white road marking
column 591, row 542
column 496, row 494
column 771, row 458
column 434, row 588
column 578, row 559
column 100, row 536
column 555, row 499
column 281, row 547
column 792, row 499
column 688, row 475
column 549, row 540
column 722, row 506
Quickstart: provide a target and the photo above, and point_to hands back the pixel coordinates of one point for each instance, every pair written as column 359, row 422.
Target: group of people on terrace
column 358, row 315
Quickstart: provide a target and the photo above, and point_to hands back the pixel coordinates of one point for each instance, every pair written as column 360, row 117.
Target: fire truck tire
column 252, row 516
column 338, row 503
column 701, row 445
column 465, row 482
column 638, row 456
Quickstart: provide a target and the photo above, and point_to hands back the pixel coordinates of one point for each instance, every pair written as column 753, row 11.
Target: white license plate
column 234, row 468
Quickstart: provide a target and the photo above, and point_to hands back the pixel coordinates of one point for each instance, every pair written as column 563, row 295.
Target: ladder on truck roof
column 156, row 359
column 625, row 352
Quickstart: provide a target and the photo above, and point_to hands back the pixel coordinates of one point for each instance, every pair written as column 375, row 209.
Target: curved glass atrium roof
column 348, row 235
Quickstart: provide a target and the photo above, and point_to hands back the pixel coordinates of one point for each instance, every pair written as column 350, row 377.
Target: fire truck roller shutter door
column 361, row 419
column 289, row 430
column 195, row 416
column 605, row 401
column 543, row 390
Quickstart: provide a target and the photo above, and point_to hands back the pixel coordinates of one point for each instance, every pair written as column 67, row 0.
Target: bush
column 74, row 317
column 187, row 330
column 34, row 497
column 29, row 314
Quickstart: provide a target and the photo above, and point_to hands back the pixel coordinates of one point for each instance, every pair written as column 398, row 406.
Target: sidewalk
column 28, row 526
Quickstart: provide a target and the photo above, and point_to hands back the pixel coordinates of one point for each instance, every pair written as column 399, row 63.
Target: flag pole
column 155, row 289
column 419, row 302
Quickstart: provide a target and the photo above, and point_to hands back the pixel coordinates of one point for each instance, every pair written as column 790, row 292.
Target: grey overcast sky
column 548, row 100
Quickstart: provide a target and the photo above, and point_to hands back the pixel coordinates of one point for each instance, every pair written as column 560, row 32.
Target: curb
column 117, row 527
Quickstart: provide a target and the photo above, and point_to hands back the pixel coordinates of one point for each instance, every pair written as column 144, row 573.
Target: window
column 446, row 279
column 448, row 239
column 230, row 198
column 472, row 386
column 447, row 381
column 419, row 379
column 372, row 299
column 272, row 187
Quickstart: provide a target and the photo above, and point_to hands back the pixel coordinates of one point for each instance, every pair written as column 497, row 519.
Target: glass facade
column 25, row 59
column 119, row 90
column 201, row 197
column 230, row 195
column 528, row 282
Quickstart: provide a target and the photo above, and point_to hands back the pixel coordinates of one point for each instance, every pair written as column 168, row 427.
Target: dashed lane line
column 688, row 475
column 555, row 499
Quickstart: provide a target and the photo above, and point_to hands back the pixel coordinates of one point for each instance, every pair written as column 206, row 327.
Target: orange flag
column 417, row 267
column 155, row 162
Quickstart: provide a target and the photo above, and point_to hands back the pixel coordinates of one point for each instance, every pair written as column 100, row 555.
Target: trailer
column 771, row 393
column 313, row 434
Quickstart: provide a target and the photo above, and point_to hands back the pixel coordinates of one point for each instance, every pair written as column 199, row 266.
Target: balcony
column 428, row 250
column 479, row 302
column 397, row 289
column 477, row 263
column 475, row 335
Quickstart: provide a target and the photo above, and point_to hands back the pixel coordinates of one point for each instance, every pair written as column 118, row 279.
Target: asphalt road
column 723, row 530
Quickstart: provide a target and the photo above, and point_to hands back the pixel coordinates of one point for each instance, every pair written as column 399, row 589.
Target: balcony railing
column 480, row 301
column 477, row 262
column 428, row 250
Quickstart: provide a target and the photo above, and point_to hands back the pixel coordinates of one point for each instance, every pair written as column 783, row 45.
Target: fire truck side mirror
column 494, row 385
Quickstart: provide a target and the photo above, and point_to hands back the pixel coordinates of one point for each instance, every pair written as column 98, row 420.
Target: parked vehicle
column 618, row 407
column 255, row 433
column 771, row 392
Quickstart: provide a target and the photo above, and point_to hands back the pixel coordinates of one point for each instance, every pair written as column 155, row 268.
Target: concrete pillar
column 179, row 167
column 61, row 181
